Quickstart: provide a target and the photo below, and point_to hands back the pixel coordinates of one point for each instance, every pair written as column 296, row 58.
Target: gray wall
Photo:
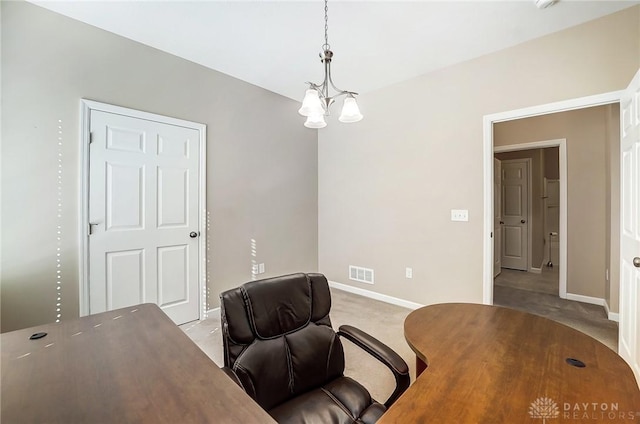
column 261, row 162
column 551, row 163
column 388, row 184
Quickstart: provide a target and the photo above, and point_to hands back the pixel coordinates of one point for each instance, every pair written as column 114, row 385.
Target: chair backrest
column 278, row 338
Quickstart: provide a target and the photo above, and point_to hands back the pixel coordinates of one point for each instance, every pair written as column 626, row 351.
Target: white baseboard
column 535, row 270
column 613, row 316
column 375, row 295
column 213, row 311
column 586, row 299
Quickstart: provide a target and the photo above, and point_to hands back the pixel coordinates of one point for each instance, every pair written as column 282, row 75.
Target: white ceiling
column 275, row 44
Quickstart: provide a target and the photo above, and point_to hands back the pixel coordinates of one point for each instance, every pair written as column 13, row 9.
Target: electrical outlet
column 408, row 272
column 459, row 215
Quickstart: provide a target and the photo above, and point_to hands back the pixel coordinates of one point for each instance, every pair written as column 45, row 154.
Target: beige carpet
column 385, row 322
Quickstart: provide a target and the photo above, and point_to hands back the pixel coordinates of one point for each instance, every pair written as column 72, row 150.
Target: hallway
column 547, row 282
column 538, row 294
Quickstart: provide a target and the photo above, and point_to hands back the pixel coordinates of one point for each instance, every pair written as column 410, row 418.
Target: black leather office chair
column 279, row 346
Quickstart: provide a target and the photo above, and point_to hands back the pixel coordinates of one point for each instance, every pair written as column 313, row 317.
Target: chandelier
column 317, row 100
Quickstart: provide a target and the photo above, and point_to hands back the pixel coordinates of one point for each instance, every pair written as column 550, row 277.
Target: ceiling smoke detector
column 543, row 4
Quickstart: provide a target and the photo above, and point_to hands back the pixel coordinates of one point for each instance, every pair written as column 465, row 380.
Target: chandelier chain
column 326, row 25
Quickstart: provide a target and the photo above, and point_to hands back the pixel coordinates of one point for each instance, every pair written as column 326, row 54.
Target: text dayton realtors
column 596, row 411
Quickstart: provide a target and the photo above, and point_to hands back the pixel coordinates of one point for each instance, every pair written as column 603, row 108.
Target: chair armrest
column 232, row 375
column 382, row 353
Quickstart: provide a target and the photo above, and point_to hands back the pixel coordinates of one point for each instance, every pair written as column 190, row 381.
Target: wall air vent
column 363, row 275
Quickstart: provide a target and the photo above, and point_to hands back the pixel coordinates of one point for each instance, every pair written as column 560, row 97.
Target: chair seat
column 342, row 400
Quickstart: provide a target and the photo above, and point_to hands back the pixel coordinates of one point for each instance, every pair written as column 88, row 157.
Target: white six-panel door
column 515, row 201
column 629, row 340
column 143, row 214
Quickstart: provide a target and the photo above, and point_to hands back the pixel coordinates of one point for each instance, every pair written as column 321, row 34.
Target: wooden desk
column 132, row 365
column 488, row 364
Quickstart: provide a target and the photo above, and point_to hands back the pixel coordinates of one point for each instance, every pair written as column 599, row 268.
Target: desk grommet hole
column 575, row 362
column 36, row 336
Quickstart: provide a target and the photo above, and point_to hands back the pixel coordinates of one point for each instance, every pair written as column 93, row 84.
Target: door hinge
column 90, row 137
column 90, row 228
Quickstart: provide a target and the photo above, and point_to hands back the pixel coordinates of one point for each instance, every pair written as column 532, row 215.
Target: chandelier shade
column 317, row 99
column 311, row 104
column 350, row 111
column 315, row 121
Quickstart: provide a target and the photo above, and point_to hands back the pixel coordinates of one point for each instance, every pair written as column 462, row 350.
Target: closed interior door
column 629, row 339
column 143, row 214
column 497, row 217
column 515, row 195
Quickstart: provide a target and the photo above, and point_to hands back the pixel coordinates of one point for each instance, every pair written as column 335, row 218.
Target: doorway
column 541, row 215
column 581, row 179
column 143, row 202
column 548, row 162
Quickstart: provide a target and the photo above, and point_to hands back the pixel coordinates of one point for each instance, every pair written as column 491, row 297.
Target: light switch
column 459, row 214
column 408, row 272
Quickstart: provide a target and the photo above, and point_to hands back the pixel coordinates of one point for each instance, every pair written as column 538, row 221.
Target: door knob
column 636, row 262
column 522, row 221
column 193, row 234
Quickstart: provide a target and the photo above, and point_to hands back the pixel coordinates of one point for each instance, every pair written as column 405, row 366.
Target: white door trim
column 86, row 106
column 561, row 143
column 487, row 143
